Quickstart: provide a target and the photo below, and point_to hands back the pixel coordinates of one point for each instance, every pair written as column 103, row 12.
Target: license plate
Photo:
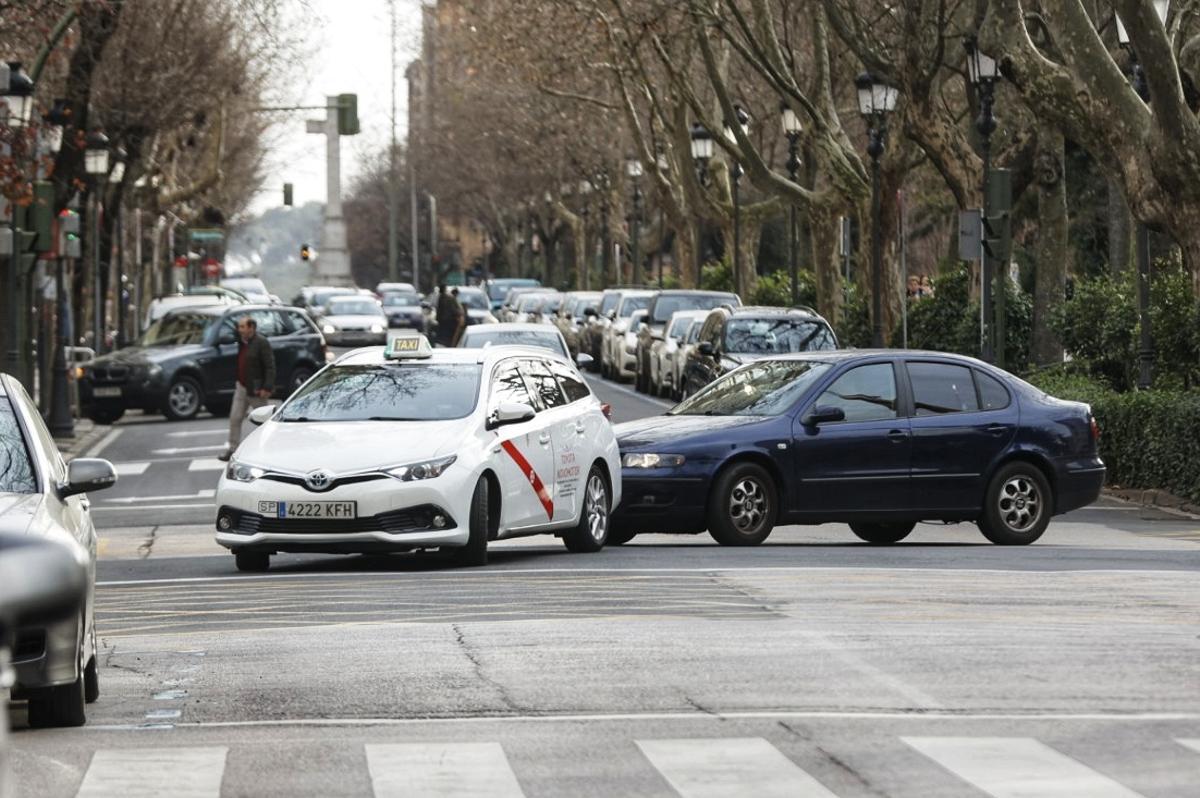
column 106, row 393
column 319, row 510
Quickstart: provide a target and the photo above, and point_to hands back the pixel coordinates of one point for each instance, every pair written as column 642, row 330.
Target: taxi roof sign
column 407, row 347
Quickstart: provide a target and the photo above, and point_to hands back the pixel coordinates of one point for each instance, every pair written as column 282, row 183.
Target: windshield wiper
column 300, row 419
column 394, row 418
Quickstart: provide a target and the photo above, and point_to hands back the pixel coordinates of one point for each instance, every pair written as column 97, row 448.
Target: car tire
column 101, row 414
column 742, row 505
column 218, row 408
column 61, row 706
column 591, row 533
column 252, row 562
column 1017, row 506
column 619, row 535
column 91, row 681
column 475, row 553
column 184, row 398
column 883, row 534
column 301, row 375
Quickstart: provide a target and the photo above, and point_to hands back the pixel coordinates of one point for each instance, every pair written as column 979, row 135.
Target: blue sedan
column 879, row 440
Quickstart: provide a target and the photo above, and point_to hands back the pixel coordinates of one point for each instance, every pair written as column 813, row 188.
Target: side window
column 992, row 393
column 543, row 384
column 228, row 331
column 940, row 388
column 508, row 386
column 268, row 324
column 16, row 465
column 864, row 393
column 45, row 441
column 572, row 384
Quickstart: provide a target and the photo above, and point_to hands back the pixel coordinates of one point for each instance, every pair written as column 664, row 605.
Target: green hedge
column 1148, row 439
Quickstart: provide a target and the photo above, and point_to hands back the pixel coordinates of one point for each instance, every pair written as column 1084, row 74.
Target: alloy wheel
column 747, row 505
column 183, row 399
column 1020, row 503
column 596, row 507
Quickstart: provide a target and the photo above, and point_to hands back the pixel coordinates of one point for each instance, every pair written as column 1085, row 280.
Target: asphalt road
column 810, row 666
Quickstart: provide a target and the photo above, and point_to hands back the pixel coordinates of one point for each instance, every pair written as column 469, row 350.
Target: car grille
column 109, row 373
column 412, row 519
column 290, row 480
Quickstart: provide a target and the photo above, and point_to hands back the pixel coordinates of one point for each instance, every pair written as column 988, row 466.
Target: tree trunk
column 1120, row 227
column 685, row 255
column 1050, row 279
column 824, row 235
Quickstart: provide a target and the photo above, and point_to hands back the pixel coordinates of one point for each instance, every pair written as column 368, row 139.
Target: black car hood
column 147, row 355
column 659, row 429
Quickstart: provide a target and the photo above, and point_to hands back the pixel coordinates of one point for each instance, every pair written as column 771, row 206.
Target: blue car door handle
column 997, row 429
column 897, row 436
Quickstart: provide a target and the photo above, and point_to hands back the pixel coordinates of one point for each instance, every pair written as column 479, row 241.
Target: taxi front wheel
column 475, row 552
column 591, row 533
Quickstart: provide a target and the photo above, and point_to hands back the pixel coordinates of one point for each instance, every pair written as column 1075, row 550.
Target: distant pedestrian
column 914, row 286
column 461, row 315
column 926, row 287
column 255, row 380
column 448, row 311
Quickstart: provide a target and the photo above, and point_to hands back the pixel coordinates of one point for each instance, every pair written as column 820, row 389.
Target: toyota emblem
column 318, row 480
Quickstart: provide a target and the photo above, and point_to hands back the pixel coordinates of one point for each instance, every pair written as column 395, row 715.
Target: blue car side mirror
column 823, row 414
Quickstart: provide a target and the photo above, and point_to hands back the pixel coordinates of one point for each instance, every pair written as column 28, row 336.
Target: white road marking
column 206, row 464
column 712, row 768
column 199, row 433
column 103, row 443
column 501, row 573
column 131, row 469
column 1193, row 744
column 206, row 506
column 690, row 715
column 1017, row 767
column 216, row 447
column 208, row 493
column 847, row 657
column 151, row 772
column 441, row 769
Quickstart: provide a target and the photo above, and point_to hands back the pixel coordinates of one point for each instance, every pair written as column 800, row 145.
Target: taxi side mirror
column 510, row 413
column 261, row 415
column 86, row 474
column 583, row 359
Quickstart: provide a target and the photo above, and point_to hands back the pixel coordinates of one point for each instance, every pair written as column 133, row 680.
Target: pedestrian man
column 448, row 311
column 461, row 311
column 255, row 379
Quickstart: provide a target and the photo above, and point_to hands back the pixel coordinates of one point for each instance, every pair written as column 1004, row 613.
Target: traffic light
column 305, row 252
column 287, row 194
column 69, row 245
column 347, row 115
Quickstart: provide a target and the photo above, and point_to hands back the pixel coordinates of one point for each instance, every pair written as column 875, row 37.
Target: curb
column 1158, row 499
column 87, row 434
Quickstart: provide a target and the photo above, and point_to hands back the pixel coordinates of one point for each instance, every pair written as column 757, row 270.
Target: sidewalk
column 87, row 434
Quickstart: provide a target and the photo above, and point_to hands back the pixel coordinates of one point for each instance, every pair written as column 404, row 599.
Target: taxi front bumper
column 389, row 515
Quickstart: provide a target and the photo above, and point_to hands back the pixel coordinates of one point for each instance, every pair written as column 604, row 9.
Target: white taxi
column 409, row 448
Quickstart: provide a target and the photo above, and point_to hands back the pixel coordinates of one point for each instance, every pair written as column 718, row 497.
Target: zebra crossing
column 1001, row 767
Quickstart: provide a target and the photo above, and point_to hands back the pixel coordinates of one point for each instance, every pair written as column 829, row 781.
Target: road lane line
column 103, row 443
column 152, row 772
column 1017, row 767
column 714, row 768
column 203, row 494
column 131, row 469
column 1193, row 744
column 143, row 507
column 691, row 715
column 441, row 770
column 501, row 573
column 197, row 433
column 843, row 654
column 206, row 464
column 216, row 447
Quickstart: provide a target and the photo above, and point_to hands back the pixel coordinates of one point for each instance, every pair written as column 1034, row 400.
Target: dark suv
column 188, row 358
column 732, row 336
column 664, row 304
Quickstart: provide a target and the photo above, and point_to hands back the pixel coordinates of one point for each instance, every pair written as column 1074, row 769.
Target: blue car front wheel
column 742, row 506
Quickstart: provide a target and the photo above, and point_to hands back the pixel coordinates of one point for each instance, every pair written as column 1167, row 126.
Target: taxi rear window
column 391, row 392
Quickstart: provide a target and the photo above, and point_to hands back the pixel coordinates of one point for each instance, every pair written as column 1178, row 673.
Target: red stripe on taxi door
column 534, row 480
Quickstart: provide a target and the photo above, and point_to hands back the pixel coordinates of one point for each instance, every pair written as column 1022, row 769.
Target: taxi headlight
column 376, row 328
column 241, row 472
column 328, row 329
column 651, row 460
column 426, row 469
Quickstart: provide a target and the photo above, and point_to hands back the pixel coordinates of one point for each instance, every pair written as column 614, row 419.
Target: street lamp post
column 61, row 420
column 118, row 174
column 585, row 191
column 16, row 99
column 702, row 152
column 792, row 129
column 876, row 100
column 983, row 72
column 633, row 168
column 1142, row 234
column 735, row 174
column 95, row 161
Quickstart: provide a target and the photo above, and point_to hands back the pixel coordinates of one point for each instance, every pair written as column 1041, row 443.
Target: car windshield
column 499, row 290
column 392, row 392
column 353, row 307
column 401, row 299
column 631, row 303
column 530, row 304
column 777, row 336
column 481, row 339
column 768, row 388
column 321, row 297
column 248, row 285
column 608, row 302
column 679, row 327
column 16, row 466
column 668, row 305
column 177, row 329
column 473, row 300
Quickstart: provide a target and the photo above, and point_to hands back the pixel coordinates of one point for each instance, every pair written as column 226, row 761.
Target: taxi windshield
column 543, row 339
column 389, row 392
column 769, row 388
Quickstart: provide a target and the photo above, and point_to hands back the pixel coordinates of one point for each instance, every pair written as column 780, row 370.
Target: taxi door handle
column 544, row 438
column 580, row 428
